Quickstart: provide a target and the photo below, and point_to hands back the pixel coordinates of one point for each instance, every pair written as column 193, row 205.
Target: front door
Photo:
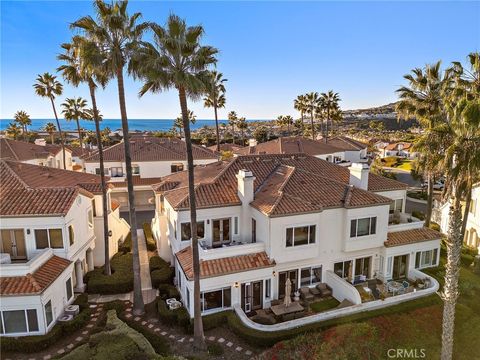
column 282, row 278
column 400, row 267
column 13, row 243
column 252, row 296
column 221, row 231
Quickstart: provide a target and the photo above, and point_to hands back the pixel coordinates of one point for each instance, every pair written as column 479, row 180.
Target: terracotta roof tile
column 23, row 151
column 411, row 236
column 223, row 266
column 36, row 283
column 347, row 144
column 137, row 181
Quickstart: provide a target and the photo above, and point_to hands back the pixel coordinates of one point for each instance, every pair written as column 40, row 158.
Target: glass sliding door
column 252, row 296
column 400, row 265
column 13, row 243
column 221, row 232
column 282, row 278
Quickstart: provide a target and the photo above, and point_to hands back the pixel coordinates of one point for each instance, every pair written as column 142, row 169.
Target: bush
column 470, row 250
column 168, row 291
column 418, row 214
column 150, row 241
column 435, row 226
column 215, row 349
column 183, row 318
column 165, row 315
column 126, row 245
column 77, row 323
column 121, row 280
column 117, row 305
column 157, row 263
column 466, row 259
column 82, row 301
column 162, row 277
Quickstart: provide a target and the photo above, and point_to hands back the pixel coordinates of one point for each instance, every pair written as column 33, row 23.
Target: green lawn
column 324, row 305
column 405, row 165
column 416, row 326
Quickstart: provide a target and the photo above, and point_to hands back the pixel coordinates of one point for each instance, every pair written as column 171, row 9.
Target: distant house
column 355, row 151
column 152, row 158
column 41, row 153
column 400, row 149
column 227, row 147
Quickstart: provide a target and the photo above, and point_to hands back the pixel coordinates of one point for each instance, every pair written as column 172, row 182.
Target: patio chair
column 324, row 289
column 305, row 294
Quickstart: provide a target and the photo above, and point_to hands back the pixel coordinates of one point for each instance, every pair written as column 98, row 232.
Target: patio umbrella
column 288, row 290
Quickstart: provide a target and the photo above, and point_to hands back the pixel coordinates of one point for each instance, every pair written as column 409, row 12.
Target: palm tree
column 117, row 34
column 48, row 86
column 215, row 97
column 75, row 109
column 176, row 60
column 178, row 124
column 312, row 101
column 23, row 119
column 232, row 121
column 279, row 121
column 288, row 120
column 242, row 125
column 300, row 104
column 80, row 58
column 422, row 98
column 13, row 130
column 329, row 104
column 51, row 129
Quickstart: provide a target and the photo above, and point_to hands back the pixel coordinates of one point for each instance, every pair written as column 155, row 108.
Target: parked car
column 438, row 185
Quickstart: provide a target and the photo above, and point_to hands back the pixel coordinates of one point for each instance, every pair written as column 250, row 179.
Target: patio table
column 395, row 286
column 281, row 309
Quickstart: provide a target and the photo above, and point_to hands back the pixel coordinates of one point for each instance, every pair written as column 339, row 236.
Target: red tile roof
column 151, row 148
column 115, row 204
column 223, row 266
column 411, row 236
column 347, row 144
column 227, row 147
column 37, row 190
column 23, row 151
column 36, row 283
column 310, row 185
column 137, row 181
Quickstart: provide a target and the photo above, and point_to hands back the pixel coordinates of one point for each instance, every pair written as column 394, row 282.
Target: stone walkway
column 149, row 294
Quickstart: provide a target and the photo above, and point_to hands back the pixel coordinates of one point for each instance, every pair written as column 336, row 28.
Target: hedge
column 121, row 280
column 150, row 241
column 31, row 344
column 126, row 245
column 168, row 291
column 160, row 272
column 178, row 316
column 157, row 263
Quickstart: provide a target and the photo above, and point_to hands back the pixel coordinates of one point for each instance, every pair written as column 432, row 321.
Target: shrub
column 470, row 250
column 121, row 280
column 117, row 305
column 150, row 241
column 78, row 322
column 183, row 317
column 418, row 214
column 162, row 276
column 126, row 245
column 157, row 263
column 168, row 291
column 165, row 315
column 215, row 349
column 82, row 301
column 435, row 226
column 466, row 259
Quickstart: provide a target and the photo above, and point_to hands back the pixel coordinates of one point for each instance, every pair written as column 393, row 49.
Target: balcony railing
column 231, row 249
column 403, row 221
column 23, row 268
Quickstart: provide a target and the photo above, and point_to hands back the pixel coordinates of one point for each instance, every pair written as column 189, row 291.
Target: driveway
column 142, row 217
column 404, row 176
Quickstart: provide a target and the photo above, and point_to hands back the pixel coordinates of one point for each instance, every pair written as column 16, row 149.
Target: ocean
column 115, row 124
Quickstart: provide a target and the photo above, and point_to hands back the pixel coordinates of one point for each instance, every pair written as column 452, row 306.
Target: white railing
column 405, row 224
column 232, row 250
column 336, row 313
column 341, row 288
column 22, row 269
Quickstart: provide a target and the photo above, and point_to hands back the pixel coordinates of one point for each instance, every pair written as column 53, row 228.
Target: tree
column 48, row 86
column 178, row 124
column 23, row 119
column 300, row 104
column 51, row 129
column 329, row 104
column 312, row 101
column 288, row 120
column 242, row 125
column 75, row 109
column 80, row 65
column 261, row 133
column 232, row 121
column 117, row 35
column 215, row 97
column 13, row 130
column 422, row 99
column 176, row 60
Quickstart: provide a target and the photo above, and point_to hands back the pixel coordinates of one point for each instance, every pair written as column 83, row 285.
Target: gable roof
column 290, row 145
column 27, row 189
column 223, row 266
column 284, row 184
column 227, row 147
column 151, row 148
column 346, row 143
column 24, row 151
column 36, row 283
column 405, row 237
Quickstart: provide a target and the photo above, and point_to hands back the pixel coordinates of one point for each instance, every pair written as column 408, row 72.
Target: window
column 343, row 269
column 310, row 276
column 362, row 227
column 362, row 267
column 216, row 299
column 49, row 312
column 397, row 205
column 388, row 272
column 19, row 321
column 254, row 231
column 186, row 230
column 426, row 258
column 68, row 287
column 135, row 170
column 302, row 235
column 71, row 234
column 176, row 167
column 116, row 172
column 97, row 171
column 268, row 288
column 235, row 225
column 188, row 298
column 90, row 218
column 45, row 238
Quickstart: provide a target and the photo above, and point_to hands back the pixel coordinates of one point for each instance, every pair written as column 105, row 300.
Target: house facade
column 400, row 149
column 152, row 158
column 40, row 153
column 265, row 218
column 51, row 235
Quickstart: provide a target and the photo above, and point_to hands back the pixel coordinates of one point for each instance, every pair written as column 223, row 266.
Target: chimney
column 359, row 175
column 40, row 142
column 252, row 142
column 245, row 186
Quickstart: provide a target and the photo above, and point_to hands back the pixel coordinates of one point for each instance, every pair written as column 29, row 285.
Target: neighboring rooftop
column 24, row 151
column 284, row 184
column 290, row 145
column 36, row 283
column 406, row 237
column 27, row 189
column 223, row 266
column 151, row 148
column 346, row 143
column 227, row 147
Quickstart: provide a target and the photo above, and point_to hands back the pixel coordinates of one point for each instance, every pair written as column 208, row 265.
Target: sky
column 270, row 52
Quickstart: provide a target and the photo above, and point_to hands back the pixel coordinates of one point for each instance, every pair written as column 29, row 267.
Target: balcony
column 22, row 268
column 233, row 248
column 403, row 221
